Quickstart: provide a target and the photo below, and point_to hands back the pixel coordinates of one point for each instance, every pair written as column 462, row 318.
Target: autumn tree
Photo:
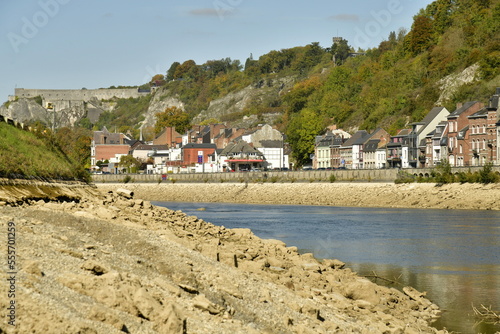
column 420, row 36
column 174, row 117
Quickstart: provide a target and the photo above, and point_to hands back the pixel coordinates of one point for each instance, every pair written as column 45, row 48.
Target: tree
column 187, row 69
column 420, row 36
column 171, row 71
column 340, row 51
column 129, row 162
column 173, row 117
column 301, row 132
column 157, row 80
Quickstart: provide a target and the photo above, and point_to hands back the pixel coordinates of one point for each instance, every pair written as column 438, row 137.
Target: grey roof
column 371, row 145
column 355, row 137
column 239, row 146
column 463, row 108
column 144, row 147
column 194, row 145
column 480, row 114
column 432, row 114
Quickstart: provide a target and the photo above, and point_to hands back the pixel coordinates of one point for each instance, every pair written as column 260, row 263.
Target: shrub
column 127, row 179
column 404, row 177
column 274, row 179
column 332, row 178
column 486, row 174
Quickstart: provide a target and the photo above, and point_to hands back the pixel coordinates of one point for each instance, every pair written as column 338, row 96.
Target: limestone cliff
column 25, row 110
column 260, row 93
column 162, row 100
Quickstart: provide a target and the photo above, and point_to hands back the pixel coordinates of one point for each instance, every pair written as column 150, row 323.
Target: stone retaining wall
column 360, row 175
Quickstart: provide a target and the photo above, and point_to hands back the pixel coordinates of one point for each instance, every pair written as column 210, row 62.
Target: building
column 417, row 136
column 193, row 154
column 106, row 146
column 240, row 156
column 459, row 151
column 348, row 157
column 168, row 136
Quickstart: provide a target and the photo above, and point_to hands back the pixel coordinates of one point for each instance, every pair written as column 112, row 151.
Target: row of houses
column 212, row 148
column 467, row 136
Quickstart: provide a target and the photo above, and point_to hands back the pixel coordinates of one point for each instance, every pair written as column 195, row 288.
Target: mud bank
column 100, row 262
column 416, row 195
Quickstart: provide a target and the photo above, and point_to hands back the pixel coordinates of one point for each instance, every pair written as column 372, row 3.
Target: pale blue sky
column 70, row 44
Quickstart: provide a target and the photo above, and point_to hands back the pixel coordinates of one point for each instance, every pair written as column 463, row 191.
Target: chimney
column 459, row 105
column 498, row 91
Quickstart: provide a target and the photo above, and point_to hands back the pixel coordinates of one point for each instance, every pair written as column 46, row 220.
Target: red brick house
column 459, row 150
column 192, row 151
column 105, row 145
column 482, row 138
column 168, row 136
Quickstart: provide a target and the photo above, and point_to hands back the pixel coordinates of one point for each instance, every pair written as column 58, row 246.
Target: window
column 461, row 149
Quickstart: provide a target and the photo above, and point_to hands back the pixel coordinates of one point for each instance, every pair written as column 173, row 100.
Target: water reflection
column 451, row 254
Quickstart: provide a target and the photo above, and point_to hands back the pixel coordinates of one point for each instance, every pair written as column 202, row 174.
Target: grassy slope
column 23, row 154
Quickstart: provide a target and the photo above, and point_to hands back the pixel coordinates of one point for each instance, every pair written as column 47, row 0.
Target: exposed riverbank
column 414, row 195
column 98, row 262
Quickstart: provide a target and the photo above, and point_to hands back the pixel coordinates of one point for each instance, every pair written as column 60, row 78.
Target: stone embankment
column 415, row 195
column 93, row 261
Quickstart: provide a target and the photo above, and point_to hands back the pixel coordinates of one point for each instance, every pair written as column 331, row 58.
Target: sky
column 71, row 44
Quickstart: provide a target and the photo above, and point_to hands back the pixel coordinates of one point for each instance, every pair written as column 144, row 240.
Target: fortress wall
column 67, row 98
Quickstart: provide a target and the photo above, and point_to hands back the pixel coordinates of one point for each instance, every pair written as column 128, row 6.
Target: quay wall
column 350, row 175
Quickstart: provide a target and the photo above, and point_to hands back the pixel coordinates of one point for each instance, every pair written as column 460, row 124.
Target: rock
column 125, row 193
column 204, row 304
column 33, row 268
column 335, row 264
column 170, row 320
column 104, row 213
column 94, row 267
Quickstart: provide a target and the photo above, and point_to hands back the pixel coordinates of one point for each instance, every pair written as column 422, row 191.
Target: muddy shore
column 93, row 261
column 415, row 195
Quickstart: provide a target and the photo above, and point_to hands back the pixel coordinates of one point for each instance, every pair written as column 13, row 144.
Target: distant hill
column 451, row 54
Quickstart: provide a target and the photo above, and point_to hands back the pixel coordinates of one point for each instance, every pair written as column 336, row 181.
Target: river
column 453, row 255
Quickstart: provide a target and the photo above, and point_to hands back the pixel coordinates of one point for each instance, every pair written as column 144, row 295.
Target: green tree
column 171, row 71
column 173, row 117
column 340, row 51
column 301, row 132
column 130, row 163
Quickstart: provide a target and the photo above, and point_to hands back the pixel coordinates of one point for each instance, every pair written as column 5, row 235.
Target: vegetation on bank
column 443, row 174
column 42, row 154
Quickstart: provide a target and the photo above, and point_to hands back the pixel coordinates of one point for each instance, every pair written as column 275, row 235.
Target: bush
column 127, row 179
column 404, row 177
column 332, row 178
column 486, row 175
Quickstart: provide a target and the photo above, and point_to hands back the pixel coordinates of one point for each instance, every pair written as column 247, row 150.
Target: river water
column 453, row 255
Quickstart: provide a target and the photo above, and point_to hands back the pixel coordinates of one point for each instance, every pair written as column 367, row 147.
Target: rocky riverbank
column 415, row 195
column 93, row 261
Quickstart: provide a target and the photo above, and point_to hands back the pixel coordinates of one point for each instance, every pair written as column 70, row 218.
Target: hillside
column 25, row 154
column 450, row 54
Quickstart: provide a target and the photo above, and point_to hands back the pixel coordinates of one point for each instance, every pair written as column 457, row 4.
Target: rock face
column 146, row 269
column 24, row 110
column 236, row 102
column 162, row 100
